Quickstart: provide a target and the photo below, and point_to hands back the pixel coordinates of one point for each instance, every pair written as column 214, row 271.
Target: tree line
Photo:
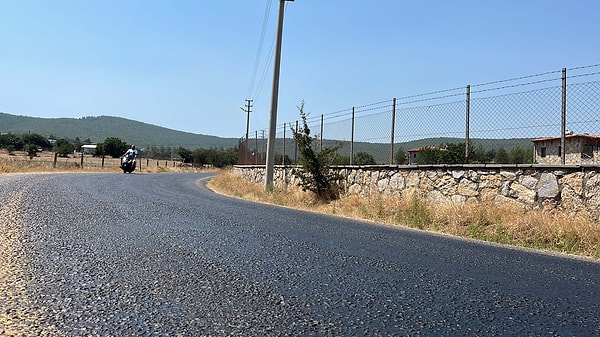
column 33, row 143
column 216, row 157
column 449, row 153
column 455, row 154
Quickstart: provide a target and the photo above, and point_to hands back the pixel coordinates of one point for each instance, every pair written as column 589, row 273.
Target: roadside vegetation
column 505, row 224
column 314, row 172
column 319, row 190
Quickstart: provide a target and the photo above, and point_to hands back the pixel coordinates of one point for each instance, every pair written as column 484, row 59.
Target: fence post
column 393, row 127
column 264, row 147
column 256, row 148
column 283, row 156
column 296, row 146
column 563, row 123
column 467, row 126
column 352, row 140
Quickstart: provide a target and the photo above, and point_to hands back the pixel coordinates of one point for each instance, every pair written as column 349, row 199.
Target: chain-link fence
column 491, row 121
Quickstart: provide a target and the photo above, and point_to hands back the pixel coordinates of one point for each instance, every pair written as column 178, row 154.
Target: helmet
column 133, row 146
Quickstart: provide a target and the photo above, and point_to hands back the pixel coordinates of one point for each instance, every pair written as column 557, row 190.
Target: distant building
column 413, row 154
column 580, row 149
column 88, row 149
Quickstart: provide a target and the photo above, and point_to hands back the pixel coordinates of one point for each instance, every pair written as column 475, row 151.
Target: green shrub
column 315, row 175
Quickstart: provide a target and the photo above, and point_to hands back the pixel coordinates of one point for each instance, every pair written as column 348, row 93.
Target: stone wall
column 569, row 188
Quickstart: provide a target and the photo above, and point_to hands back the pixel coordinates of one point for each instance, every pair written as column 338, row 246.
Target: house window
column 560, row 151
column 543, row 152
column 588, row 151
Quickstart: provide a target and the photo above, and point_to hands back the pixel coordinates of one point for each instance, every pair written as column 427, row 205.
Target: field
column 48, row 162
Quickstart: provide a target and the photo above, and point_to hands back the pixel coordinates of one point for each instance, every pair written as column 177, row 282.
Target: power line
column 517, row 78
column 516, row 82
column 260, row 47
column 265, row 70
column 267, row 65
column 585, row 67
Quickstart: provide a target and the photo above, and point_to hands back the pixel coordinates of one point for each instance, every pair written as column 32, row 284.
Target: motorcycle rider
column 131, row 154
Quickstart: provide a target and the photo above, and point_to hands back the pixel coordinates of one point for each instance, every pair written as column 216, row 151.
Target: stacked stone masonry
column 569, row 188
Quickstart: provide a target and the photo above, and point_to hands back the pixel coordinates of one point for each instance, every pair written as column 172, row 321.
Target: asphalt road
column 160, row 255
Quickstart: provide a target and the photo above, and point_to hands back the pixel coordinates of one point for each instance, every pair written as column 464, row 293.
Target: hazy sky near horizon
column 189, row 65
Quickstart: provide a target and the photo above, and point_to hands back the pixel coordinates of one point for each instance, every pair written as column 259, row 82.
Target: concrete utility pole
column 270, row 162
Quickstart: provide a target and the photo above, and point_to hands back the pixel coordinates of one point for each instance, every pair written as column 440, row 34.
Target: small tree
column 63, row 147
column 99, row 151
column 501, row 156
column 363, row 158
column 35, row 139
column 315, row 175
column 430, row 155
column 185, row 154
column 518, row 155
column 11, row 142
column 444, row 154
column 282, row 159
column 454, row 153
column 114, row 147
column 31, row 150
column 200, row 157
column 400, row 157
column 341, row 160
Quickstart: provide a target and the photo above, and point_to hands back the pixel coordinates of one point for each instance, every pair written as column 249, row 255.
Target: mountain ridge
column 98, row 128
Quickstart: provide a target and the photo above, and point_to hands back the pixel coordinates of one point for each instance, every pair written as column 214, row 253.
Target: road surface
column 160, row 255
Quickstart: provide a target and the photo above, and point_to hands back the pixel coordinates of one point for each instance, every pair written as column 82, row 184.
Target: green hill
column 97, row 129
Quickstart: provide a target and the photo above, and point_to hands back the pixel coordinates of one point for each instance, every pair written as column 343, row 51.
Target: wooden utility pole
column 247, row 110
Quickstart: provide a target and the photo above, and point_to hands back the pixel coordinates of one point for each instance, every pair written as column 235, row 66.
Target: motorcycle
column 127, row 164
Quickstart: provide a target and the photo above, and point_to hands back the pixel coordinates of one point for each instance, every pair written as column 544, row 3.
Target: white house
column 88, row 149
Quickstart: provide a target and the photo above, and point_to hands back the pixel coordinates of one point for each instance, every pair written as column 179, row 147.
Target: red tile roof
column 417, row 149
column 581, row 135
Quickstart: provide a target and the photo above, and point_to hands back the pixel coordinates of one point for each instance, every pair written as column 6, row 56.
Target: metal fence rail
column 484, row 117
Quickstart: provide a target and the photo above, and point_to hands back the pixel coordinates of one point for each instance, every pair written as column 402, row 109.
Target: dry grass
column 19, row 162
column 507, row 224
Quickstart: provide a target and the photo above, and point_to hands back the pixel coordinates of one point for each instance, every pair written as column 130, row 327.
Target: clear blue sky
column 189, row 65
